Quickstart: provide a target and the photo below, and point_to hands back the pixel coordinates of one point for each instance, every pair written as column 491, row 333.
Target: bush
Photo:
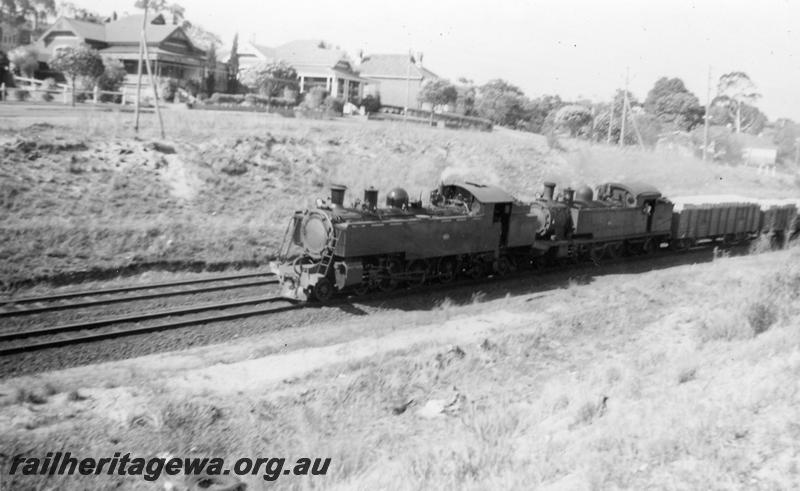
column 334, row 105
column 218, row 98
column 22, row 94
column 761, row 315
column 371, row 104
column 314, row 98
column 167, row 89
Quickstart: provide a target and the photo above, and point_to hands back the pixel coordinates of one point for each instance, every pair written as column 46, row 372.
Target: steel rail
column 21, row 348
column 107, row 321
column 124, row 289
column 148, row 296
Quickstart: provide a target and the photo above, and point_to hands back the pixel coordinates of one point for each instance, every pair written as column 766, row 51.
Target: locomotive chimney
column 337, row 194
column 371, row 198
column 549, row 190
column 569, row 196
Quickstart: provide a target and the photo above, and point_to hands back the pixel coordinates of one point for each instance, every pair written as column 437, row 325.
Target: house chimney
column 419, row 59
column 549, row 190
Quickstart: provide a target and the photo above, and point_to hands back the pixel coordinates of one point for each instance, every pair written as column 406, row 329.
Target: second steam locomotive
column 475, row 230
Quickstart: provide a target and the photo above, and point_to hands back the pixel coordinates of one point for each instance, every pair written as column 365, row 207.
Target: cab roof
column 484, row 193
column 638, row 189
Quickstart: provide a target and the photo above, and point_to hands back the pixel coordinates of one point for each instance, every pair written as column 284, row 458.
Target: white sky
column 569, row 47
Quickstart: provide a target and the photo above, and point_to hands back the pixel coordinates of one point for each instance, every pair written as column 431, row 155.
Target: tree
column 233, row 66
column 78, row 62
column 672, row 103
column 25, row 59
column 726, row 111
column 438, row 92
column 69, row 9
column 735, row 89
column 113, row 76
column 537, row 110
column 465, row 102
column 199, row 36
column 574, row 117
column 20, row 11
column 269, row 79
column 501, row 102
column 211, row 68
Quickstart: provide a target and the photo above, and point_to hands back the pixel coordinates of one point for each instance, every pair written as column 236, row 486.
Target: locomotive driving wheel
column 447, row 270
column 417, row 273
column 597, row 252
column 614, row 250
column 389, row 280
column 504, row 266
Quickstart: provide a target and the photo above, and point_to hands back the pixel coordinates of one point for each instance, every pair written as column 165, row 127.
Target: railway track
column 63, row 301
column 129, row 325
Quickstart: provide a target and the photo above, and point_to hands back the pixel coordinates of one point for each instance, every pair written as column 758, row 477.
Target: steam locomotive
column 475, row 230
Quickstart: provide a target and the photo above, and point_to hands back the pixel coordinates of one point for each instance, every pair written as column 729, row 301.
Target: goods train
column 475, row 230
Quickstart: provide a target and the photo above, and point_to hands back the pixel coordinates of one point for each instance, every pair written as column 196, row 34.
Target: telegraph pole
column 624, row 108
column 139, row 70
column 408, row 85
column 706, row 116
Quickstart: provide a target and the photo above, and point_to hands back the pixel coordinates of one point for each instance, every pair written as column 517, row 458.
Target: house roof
column 393, row 66
column 128, row 29
column 747, row 140
column 309, row 53
column 124, row 31
column 85, row 29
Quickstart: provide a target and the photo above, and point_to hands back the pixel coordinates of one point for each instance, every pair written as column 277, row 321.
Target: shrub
column 22, row 94
column 218, row 98
column 371, row 104
column 314, row 98
column 761, row 315
column 168, row 88
column 334, row 104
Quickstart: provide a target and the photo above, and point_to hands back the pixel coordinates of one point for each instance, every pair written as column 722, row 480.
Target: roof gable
column 310, row 53
column 393, row 66
column 128, row 29
column 73, row 27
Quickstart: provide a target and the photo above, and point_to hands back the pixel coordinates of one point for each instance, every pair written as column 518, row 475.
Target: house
column 397, row 79
column 318, row 64
column 757, row 151
column 13, row 34
column 170, row 51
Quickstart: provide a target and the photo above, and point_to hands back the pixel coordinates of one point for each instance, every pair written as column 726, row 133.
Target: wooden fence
column 27, row 88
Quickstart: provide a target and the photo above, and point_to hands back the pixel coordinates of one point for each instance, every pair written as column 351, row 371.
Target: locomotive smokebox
column 337, row 194
column 371, row 198
column 549, row 191
column 569, row 196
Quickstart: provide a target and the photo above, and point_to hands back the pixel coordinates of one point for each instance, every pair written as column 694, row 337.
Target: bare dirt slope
column 683, row 378
column 79, row 192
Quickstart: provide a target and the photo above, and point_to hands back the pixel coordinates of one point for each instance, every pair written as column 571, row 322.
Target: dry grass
column 591, row 388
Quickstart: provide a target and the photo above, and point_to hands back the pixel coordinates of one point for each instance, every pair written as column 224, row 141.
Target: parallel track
column 9, row 312
column 137, row 329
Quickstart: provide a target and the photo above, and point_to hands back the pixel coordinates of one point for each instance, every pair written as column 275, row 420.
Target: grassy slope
column 83, row 194
column 653, row 381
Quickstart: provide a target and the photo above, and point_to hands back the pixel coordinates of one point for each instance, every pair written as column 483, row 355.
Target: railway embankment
column 83, row 193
